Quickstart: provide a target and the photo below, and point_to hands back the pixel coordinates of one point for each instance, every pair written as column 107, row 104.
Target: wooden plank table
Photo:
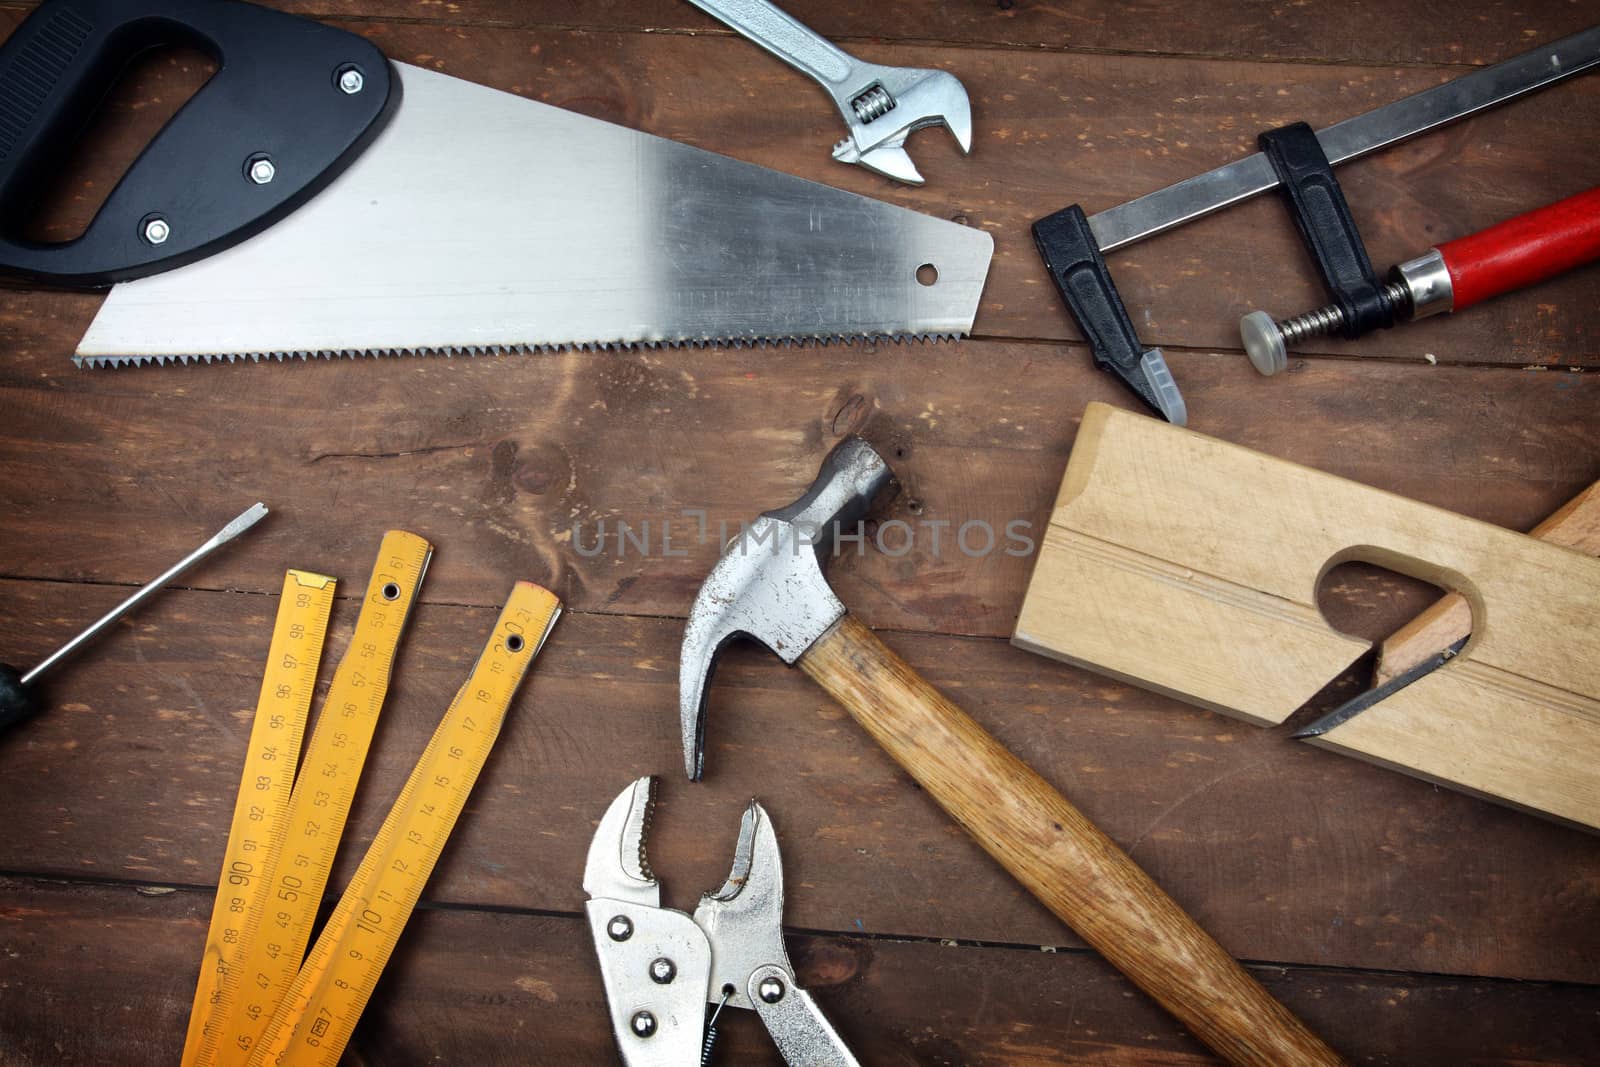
column 1406, row 924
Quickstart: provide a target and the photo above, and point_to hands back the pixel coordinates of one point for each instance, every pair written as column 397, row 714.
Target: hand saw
column 473, row 221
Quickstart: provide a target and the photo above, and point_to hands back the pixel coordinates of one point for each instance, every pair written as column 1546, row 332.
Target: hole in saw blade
column 149, row 92
column 927, row 274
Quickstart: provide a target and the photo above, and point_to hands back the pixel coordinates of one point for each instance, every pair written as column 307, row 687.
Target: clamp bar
column 1242, row 179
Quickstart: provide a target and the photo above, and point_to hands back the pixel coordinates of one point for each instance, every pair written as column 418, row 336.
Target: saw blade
column 482, row 222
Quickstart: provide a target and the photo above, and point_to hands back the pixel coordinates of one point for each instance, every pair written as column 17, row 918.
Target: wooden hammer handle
column 1576, row 525
column 1061, row 857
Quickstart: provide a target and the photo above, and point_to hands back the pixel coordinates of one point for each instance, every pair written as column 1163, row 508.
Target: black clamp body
column 1072, row 256
column 1323, row 217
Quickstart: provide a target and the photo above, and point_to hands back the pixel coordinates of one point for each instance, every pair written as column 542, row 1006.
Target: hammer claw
column 769, row 586
column 696, row 663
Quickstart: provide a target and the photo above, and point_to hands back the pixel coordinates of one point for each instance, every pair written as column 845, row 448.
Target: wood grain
column 1449, row 619
column 1284, row 853
column 504, row 461
column 512, row 988
column 1058, row 855
column 1189, row 565
column 1410, row 34
column 1269, row 844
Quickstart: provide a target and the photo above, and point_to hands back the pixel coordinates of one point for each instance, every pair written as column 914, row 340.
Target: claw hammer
column 769, row 586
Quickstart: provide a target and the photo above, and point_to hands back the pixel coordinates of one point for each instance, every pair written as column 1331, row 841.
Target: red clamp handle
column 1524, row 250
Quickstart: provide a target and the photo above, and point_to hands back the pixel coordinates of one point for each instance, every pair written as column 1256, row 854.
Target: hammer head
column 769, row 585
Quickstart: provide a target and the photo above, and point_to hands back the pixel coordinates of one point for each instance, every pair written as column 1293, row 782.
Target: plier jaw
column 662, row 968
column 618, row 865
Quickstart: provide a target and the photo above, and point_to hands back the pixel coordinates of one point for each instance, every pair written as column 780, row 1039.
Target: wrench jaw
column 916, row 99
column 889, row 160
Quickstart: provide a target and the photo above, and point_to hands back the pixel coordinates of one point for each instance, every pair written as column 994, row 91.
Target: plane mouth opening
column 1415, row 625
column 1373, row 602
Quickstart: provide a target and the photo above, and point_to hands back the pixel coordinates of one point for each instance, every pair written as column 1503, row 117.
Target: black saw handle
column 279, row 93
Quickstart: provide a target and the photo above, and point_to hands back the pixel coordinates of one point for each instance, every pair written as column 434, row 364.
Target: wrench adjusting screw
column 874, row 103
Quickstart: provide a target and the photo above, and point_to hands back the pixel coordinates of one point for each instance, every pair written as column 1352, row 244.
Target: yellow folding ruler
column 314, row 1021
column 253, row 993
column 258, row 817
column 302, row 828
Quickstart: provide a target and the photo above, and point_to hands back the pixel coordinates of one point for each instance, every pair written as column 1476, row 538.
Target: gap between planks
column 43, row 879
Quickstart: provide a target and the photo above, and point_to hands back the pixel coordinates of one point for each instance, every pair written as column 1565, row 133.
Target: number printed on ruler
column 256, row 833
column 314, row 818
column 320, row 803
column 314, row 1021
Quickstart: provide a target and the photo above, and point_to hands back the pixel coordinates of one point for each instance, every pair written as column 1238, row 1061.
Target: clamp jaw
column 662, row 968
column 1072, row 255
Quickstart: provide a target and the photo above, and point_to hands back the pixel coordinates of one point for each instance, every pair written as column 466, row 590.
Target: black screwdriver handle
column 17, row 701
column 283, row 92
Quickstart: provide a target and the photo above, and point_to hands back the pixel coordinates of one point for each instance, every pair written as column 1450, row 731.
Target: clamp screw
column 1267, row 342
column 620, row 928
column 643, row 1024
column 662, row 970
column 350, row 81
column 156, row 230
column 771, row 990
column 261, row 170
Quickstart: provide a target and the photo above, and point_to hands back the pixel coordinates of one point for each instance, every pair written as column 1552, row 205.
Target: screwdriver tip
column 246, row 519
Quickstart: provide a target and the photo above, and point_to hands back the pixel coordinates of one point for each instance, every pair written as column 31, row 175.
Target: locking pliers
column 662, row 968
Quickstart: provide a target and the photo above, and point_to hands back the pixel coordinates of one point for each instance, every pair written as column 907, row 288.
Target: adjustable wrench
column 881, row 105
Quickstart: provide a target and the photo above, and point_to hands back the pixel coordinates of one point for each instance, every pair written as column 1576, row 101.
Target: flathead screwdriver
column 17, row 700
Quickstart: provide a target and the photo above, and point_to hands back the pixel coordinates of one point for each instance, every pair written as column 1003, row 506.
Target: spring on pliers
column 874, row 102
column 711, row 1029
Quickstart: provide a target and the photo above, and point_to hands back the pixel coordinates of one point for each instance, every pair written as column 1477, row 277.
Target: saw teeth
column 451, row 351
